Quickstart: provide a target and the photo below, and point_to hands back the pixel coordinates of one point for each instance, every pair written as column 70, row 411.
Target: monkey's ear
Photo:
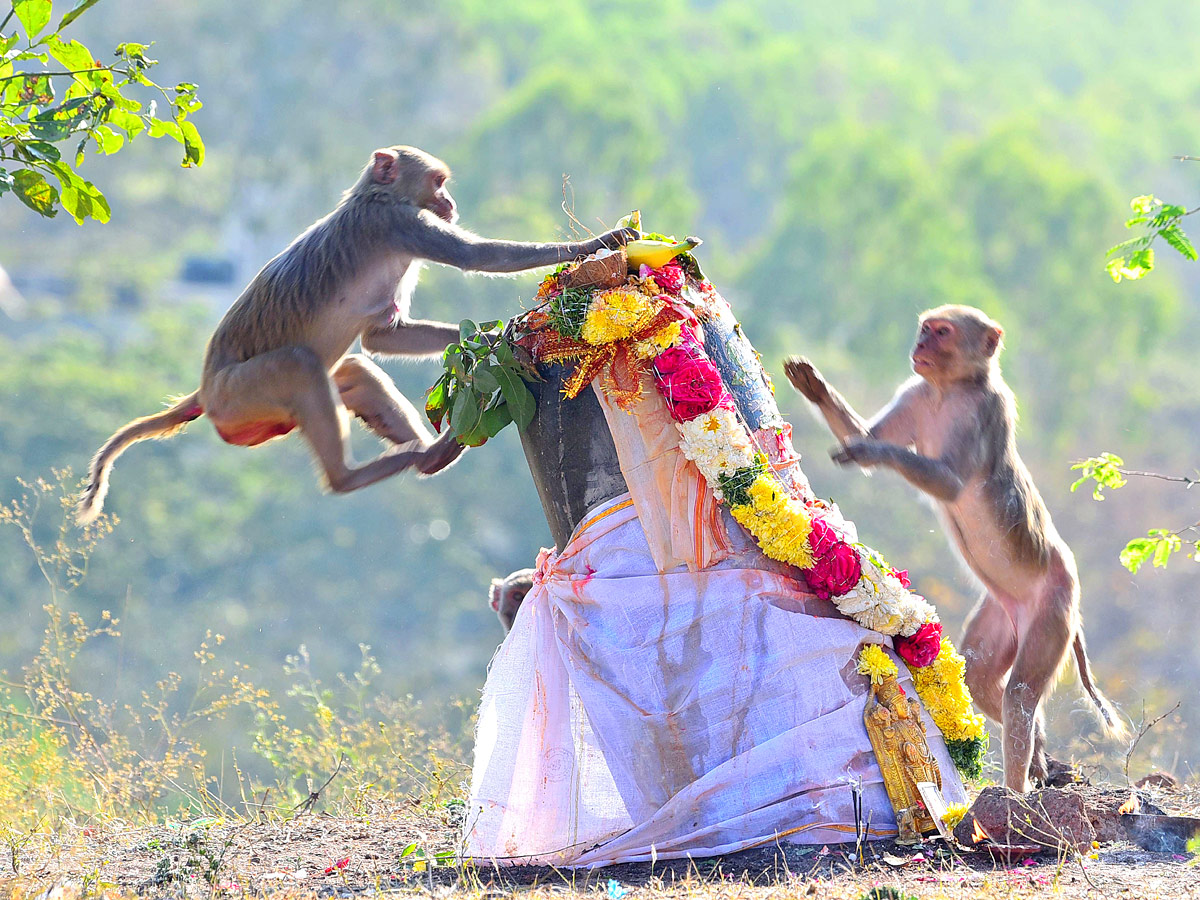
column 386, row 166
column 991, row 341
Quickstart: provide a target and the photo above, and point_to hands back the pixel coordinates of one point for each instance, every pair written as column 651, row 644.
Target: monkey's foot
column 440, row 454
column 1061, row 774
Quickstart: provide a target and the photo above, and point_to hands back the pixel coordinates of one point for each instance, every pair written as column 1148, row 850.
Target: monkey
column 506, row 595
column 950, row 432
column 279, row 359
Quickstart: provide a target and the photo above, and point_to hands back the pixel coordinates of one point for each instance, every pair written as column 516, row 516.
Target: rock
column 1158, row 779
column 1051, row 818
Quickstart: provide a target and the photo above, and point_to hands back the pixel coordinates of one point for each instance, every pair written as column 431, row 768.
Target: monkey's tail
column 159, row 425
column 1114, row 725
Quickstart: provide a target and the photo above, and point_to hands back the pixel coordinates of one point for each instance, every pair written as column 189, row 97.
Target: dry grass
column 99, row 798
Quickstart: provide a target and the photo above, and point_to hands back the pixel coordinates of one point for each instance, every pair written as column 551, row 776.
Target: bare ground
column 321, row 855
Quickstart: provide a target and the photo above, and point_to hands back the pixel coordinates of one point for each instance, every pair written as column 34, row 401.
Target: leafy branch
column 53, row 90
column 1108, row 471
column 1134, row 258
column 483, row 386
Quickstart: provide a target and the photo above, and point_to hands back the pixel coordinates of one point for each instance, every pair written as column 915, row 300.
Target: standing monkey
column 950, row 431
column 278, row 359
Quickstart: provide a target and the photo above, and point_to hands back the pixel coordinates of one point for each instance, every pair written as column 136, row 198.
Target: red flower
column 903, row 576
column 669, row 277
column 836, row 567
column 340, row 864
column 835, row 564
column 689, row 382
column 923, row 647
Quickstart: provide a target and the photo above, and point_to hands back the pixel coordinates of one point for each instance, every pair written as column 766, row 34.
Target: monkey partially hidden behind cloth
column 950, row 431
column 279, row 358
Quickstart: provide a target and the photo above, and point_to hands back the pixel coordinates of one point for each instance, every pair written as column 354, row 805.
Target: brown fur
column 951, row 432
column 278, row 359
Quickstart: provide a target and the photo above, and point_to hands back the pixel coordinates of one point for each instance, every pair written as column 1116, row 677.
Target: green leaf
column 74, row 14
column 409, row 851
column 1174, row 236
column 435, row 402
column 1144, row 204
column 36, row 192
column 1125, row 245
column 72, row 54
column 1136, row 552
column 465, row 411
column 1105, row 469
column 496, row 420
column 485, row 378
column 43, row 150
column 467, row 330
column 165, row 128
column 34, row 15
column 193, row 147
column 520, row 401
column 108, row 139
column 132, row 125
column 1167, row 542
column 7, row 43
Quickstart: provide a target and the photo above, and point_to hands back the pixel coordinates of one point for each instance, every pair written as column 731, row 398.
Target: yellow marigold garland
column 778, row 522
column 944, row 692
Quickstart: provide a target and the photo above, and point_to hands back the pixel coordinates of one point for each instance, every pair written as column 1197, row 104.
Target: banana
column 633, row 220
column 657, row 253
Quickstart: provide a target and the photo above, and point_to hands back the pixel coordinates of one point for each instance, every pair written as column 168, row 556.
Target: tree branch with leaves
column 54, row 91
column 1108, row 471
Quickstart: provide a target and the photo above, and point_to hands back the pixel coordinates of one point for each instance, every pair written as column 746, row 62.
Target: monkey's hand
column 618, row 237
column 865, row 452
column 806, row 379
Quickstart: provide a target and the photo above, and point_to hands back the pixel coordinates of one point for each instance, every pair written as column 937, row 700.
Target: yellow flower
column 872, row 661
column 955, row 812
column 663, row 339
column 615, row 314
column 779, row 524
column 945, row 694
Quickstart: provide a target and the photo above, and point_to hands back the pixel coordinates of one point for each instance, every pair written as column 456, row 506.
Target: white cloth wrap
column 632, row 714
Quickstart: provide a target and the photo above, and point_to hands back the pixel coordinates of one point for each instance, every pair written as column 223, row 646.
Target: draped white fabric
column 632, row 713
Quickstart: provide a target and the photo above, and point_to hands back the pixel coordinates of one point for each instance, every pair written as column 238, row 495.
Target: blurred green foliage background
column 848, row 165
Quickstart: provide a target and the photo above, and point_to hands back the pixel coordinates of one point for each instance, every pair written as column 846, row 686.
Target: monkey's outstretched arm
column 410, row 337
column 430, row 238
column 941, row 478
column 843, row 421
column 892, row 424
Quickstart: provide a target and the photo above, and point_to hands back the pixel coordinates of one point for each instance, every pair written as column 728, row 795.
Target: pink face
column 936, row 344
column 441, row 204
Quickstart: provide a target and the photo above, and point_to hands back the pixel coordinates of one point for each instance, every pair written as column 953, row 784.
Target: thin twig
column 1143, row 730
column 314, row 796
column 568, row 206
column 1182, row 479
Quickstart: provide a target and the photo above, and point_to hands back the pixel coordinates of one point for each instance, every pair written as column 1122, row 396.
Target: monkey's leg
column 989, row 646
column 290, row 385
column 371, row 395
column 1042, row 646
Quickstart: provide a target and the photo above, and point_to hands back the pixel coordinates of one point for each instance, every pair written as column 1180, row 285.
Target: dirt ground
column 315, row 854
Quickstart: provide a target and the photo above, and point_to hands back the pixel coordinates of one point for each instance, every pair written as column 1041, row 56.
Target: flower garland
column 646, row 327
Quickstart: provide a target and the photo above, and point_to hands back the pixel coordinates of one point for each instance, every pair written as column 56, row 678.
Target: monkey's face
column 936, row 348
column 437, row 196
